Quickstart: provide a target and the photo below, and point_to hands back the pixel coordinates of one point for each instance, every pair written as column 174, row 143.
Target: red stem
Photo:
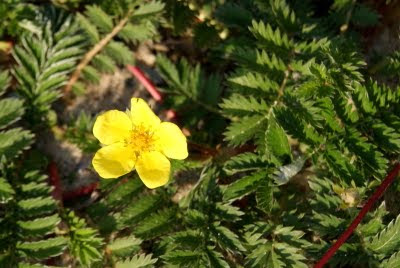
column 55, row 181
column 377, row 194
column 145, row 82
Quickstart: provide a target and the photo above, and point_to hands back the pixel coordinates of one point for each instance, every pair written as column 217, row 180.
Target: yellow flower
column 137, row 140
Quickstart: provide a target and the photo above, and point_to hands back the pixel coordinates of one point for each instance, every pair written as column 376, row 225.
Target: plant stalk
column 344, row 236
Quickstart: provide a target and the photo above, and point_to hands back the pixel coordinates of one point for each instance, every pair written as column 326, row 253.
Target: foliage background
column 292, row 114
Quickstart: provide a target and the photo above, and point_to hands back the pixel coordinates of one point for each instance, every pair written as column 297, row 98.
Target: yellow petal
column 171, row 141
column 113, row 161
column 112, row 126
column 141, row 114
column 153, row 169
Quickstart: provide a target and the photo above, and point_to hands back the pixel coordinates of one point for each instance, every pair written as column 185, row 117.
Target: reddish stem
column 377, row 194
column 82, row 191
column 55, row 181
column 58, row 192
column 145, row 82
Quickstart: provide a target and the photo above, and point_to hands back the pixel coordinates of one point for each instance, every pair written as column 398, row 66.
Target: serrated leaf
column 264, row 195
column 155, row 224
column 11, row 109
column 89, row 28
column 227, row 212
column 99, row 18
column 240, row 105
column 243, row 186
column 137, row 261
column 244, row 162
column 6, row 191
column 139, row 209
column 4, row 81
column 386, row 137
column 40, row 226
column 388, row 240
column 124, row 246
column 240, row 132
column 119, row 52
column 264, row 256
column 43, row 249
column 148, row 9
column 183, row 258
column 33, row 189
column 216, row 259
column 253, row 82
column 37, row 206
column 392, row 262
column 226, row 238
column 278, row 147
column 14, row 141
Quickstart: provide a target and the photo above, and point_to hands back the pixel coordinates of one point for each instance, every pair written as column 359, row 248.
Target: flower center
column 142, row 139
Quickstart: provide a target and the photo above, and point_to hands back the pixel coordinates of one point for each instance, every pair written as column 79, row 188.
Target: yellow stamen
column 141, row 139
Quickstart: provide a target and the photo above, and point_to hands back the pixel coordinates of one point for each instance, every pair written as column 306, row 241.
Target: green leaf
column 386, row 137
column 183, row 258
column 43, row 249
column 138, row 32
column 264, row 256
column 4, row 81
column 104, row 63
column 90, row 74
column 37, row 206
column 11, row 110
column 14, row 141
column 124, row 246
column 392, row 262
column 216, row 259
column 226, row 238
column 253, row 82
column 155, row 224
column 168, row 70
column 264, row 195
column 148, row 9
column 278, row 148
column 341, row 166
column 368, row 153
column 388, row 240
column 137, row 261
column 33, row 189
column 119, row 52
column 244, row 162
column 6, row 191
column 89, row 28
column 239, row 105
column 227, row 212
column 40, row 226
column 99, row 18
column 187, row 239
column 85, row 245
column 123, row 192
column 243, row 186
column 139, row 209
column 274, row 40
column 240, row 132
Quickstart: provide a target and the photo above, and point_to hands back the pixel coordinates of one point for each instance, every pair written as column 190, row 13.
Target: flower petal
column 142, row 114
column 153, row 169
column 112, row 126
column 113, row 161
column 171, row 141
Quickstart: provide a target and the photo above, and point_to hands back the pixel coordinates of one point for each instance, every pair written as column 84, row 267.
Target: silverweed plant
column 273, row 128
